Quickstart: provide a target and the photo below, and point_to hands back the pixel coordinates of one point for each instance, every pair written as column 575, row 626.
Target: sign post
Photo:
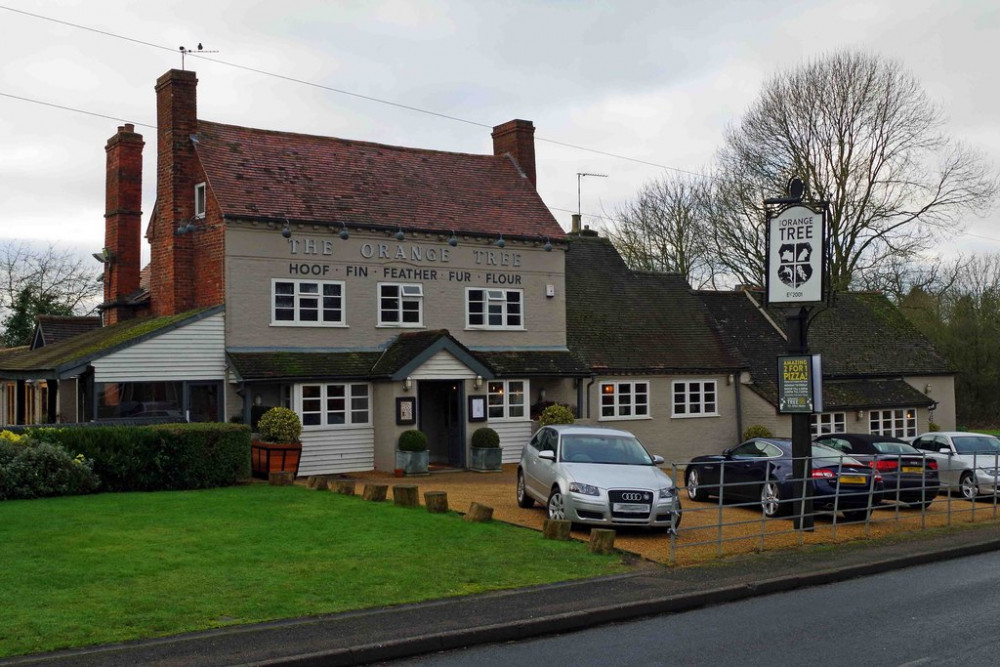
column 796, row 280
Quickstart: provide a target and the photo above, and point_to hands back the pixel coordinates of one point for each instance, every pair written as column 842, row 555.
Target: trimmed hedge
column 161, row 457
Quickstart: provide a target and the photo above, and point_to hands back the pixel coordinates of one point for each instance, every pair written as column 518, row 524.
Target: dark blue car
column 761, row 470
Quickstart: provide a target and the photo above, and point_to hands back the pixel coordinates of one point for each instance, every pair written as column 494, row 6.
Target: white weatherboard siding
column 196, row 351
column 442, row 366
column 328, row 452
column 513, row 437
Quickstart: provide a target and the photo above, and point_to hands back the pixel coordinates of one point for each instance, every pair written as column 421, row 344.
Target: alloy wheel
column 770, row 499
column 557, row 505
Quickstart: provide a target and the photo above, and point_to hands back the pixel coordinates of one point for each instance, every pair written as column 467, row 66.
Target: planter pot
column 487, row 458
column 413, row 463
column 268, row 457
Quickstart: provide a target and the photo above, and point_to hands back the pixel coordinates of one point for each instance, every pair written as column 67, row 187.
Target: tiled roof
column 81, row 349
column 407, row 346
column 619, row 320
column 534, row 363
column 277, row 175
column 302, row 365
column 862, row 337
column 54, row 328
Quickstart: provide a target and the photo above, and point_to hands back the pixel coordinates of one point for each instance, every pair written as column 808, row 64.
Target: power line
column 74, row 109
column 341, row 91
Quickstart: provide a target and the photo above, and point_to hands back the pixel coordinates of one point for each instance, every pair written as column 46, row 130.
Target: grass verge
column 107, row 568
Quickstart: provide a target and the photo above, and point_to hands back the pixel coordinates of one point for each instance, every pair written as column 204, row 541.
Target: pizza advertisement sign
column 795, row 260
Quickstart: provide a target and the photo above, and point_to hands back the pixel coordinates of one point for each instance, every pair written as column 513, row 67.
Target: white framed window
column 507, row 399
column 335, row 404
column 494, row 308
column 400, row 305
column 624, row 400
column 828, row 422
column 200, row 202
column 307, row 303
column 899, row 423
column 695, row 398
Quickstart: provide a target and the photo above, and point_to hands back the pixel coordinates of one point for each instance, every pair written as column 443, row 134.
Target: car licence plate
column 915, row 469
column 630, row 508
column 853, row 479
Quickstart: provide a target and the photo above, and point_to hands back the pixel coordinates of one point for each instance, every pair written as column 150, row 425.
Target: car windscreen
column 976, row 444
column 586, row 448
column 894, row 448
column 827, row 457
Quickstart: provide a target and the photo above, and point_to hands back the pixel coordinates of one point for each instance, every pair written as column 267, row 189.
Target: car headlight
column 668, row 492
column 992, row 472
column 585, row 489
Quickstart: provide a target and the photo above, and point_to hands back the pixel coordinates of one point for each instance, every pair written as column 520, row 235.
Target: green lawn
column 107, row 568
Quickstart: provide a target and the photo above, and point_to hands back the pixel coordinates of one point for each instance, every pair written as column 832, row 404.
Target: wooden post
column 436, row 501
column 556, row 529
column 602, row 540
column 318, row 482
column 375, row 492
column 281, row 478
column 405, row 495
column 343, row 487
column 479, row 513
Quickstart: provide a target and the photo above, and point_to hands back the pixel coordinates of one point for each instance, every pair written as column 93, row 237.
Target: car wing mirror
column 657, row 460
column 945, row 450
column 727, row 453
column 547, row 454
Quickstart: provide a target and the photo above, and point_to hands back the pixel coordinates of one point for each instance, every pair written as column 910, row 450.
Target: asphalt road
column 940, row 614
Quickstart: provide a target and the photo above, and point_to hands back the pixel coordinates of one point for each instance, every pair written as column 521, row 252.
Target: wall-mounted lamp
column 478, row 381
column 400, row 235
column 729, row 379
column 927, row 388
column 500, row 242
column 861, row 415
column 407, row 384
column 453, row 240
column 343, row 232
column 257, row 399
column 548, row 245
column 286, row 231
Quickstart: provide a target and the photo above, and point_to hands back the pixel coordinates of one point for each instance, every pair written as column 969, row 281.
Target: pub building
column 374, row 288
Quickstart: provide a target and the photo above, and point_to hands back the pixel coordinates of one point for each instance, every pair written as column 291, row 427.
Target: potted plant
column 277, row 447
column 486, row 452
column 411, row 452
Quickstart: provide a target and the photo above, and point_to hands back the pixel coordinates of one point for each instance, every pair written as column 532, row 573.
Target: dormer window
column 199, row 200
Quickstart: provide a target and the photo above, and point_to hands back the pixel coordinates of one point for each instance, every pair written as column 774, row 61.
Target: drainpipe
column 593, row 379
column 739, row 408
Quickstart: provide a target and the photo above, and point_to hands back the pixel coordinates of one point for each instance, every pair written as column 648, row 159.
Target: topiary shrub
column 556, row 414
column 412, row 440
column 30, row 469
column 756, row 431
column 485, row 438
column 279, row 425
column 931, row 426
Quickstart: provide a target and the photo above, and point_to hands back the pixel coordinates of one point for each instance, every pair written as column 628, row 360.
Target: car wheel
column 557, row 504
column 967, row 485
column 693, row 484
column 857, row 515
column 770, row 500
column 523, row 499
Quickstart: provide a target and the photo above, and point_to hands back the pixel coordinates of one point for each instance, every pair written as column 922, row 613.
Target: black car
column 907, row 475
column 761, row 469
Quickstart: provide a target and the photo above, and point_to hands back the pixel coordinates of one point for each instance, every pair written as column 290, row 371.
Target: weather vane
column 199, row 50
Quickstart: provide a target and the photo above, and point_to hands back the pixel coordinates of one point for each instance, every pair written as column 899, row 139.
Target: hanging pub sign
column 796, row 259
column 800, row 383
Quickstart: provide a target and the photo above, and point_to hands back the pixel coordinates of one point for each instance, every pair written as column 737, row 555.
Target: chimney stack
column 171, row 256
column 122, row 221
column 517, row 137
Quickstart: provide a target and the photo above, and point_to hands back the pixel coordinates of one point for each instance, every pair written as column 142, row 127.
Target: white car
column 968, row 461
column 596, row 476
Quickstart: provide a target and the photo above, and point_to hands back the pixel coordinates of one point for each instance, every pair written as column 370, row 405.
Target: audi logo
column 633, row 496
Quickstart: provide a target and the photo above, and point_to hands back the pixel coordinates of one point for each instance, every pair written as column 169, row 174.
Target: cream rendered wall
column 942, row 390
column 676, row 439
column 256, row 255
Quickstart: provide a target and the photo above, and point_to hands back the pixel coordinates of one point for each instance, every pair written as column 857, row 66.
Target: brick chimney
column 172, row 265
column 122, row 222
column 517, row 137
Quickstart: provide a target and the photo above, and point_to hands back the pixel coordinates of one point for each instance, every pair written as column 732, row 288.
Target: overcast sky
column 654, row 82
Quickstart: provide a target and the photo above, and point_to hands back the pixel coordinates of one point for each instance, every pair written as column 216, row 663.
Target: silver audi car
column 596, row 476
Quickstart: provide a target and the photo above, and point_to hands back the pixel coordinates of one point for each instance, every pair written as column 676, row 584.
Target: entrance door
column 439, row 403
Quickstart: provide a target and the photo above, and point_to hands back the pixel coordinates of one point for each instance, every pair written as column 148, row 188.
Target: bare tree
column 863, row 135
column 664, row 229
column 52, row 275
